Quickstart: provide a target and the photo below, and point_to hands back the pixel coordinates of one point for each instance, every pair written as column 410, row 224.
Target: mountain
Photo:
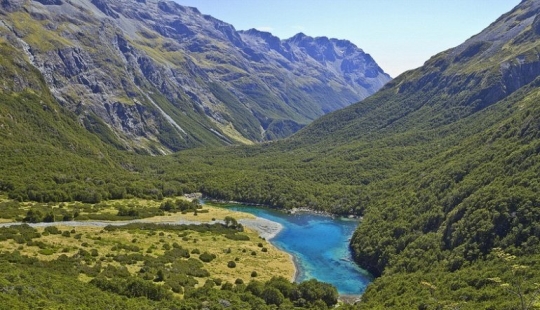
column 441, row 164
column 451, row 86
column 155, row 77
column 450, row 156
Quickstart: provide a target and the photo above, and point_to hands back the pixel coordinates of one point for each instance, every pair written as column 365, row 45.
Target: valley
column 441, row 163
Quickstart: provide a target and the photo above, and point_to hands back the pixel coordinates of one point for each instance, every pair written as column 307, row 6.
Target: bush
column 46, row 252
column 207, row 257
column 231, row 264
column 273, row 296
column 238, row 237
column 53, row 230
column 254, row 274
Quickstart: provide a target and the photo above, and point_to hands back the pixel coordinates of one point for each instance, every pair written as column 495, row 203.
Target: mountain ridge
column 162, row 77
column 451, row 67
column 442, row 165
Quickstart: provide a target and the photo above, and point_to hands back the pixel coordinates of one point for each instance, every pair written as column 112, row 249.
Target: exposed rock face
column 323, row 59
column 451, row 86
column 161, row 77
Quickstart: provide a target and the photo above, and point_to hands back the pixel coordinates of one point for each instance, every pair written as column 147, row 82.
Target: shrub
column 231, row 264
column 207, row 257
column 238, row 237
column 273, row 296
column 53, row 230
column 46, row 251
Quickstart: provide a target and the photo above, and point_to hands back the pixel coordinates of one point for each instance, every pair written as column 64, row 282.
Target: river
column 319, row 245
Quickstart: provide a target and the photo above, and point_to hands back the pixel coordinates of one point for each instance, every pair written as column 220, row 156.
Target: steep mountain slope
column 442, row 163
column 154, row 76
column 41, row 143
column 465, row 181
column 450, row 86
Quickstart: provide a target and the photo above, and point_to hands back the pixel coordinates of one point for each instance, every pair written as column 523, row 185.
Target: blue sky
column 399, row 34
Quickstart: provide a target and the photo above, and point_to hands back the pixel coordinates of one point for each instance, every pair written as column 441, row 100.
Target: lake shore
column 268, row 230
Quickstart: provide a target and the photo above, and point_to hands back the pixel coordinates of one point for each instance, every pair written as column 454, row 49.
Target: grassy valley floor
column 251, row 253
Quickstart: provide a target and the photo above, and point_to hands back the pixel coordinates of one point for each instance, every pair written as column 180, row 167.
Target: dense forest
column 442, row 165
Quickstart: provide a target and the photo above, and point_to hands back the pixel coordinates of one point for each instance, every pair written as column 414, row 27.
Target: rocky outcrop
column 163, row 76
column 50, row 2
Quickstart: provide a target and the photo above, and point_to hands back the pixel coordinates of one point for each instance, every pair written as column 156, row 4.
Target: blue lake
column 320, row 246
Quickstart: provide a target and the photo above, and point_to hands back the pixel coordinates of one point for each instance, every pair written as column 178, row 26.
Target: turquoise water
column 320, row 246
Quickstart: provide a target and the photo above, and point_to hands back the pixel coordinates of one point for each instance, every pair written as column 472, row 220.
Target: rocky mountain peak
column 269, row 39
column 155, row 76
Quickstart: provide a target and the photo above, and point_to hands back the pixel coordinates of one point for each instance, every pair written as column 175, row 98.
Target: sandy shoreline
column 267, row 229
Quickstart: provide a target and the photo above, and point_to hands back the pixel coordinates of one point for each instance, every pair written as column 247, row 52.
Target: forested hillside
column 442, row 164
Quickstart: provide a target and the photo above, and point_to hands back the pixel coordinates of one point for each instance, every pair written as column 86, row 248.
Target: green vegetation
column 442, row 165
column 123, row 276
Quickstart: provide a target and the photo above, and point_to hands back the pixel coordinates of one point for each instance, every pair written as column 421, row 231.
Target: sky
column 399, row 34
